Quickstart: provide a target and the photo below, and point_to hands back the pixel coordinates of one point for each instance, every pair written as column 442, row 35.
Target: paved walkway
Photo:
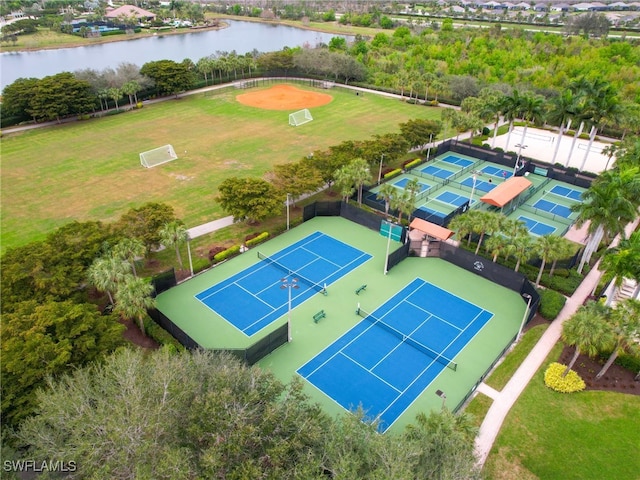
column 209, row 227
column 505, row 399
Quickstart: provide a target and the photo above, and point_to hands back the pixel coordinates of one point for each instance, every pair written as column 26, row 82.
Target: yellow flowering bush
column 568, row 384
column 392, row 173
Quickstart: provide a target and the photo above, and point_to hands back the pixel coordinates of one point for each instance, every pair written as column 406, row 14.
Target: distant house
column 583, row 7
column 619, row 6
column 560, row 7
column 130, row 11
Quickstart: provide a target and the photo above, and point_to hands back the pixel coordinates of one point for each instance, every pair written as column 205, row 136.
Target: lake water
column 240, row 36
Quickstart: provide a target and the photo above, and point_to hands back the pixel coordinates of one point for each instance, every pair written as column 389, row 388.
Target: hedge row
column 160, row 335
column 393, row 173
column 229, row 252
column 256, row 240
column 413, row 163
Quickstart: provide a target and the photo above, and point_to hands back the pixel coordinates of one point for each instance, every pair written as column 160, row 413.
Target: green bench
column 318, row 316
column 363, row 287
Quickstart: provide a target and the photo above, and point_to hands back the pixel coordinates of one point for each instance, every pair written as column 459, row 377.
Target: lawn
column 90, row 170
column 549, row 435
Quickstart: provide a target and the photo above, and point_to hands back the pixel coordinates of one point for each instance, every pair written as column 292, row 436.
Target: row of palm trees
column 511, row 238
column 115, row 273
column 584, row 103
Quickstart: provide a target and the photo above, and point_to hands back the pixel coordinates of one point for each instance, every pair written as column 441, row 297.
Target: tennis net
column 438, row 357
column 316, row 286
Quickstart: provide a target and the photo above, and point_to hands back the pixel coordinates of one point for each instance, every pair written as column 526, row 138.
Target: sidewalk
column 504, row 400
column 209, row 227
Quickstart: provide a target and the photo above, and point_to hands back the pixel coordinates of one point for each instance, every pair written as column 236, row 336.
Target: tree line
column 445, row 64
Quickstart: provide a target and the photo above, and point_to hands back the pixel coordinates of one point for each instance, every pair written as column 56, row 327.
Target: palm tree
column 608, row 205
column 531, row 110
column 485, row 223
column 463, row 226
column 129, row 249
column 107, row 272
column 115, row 94
column 131, row 89
column 173, row 234
column 491, row 109
column 550, row 247
column 496, row 245
column 522, row 249
column 604, row 105
column 587, row 330
column 625, row 326
column 561, row 112
column 133, row 299
column 386, row 192
column 344, row 182
column 403, row 202
column 360, row 173
column 622, row 261
column 581, row 89
column 511, row 108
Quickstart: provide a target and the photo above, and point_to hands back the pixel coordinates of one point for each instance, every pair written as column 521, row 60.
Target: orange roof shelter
column 431, row 229
column 506, row 191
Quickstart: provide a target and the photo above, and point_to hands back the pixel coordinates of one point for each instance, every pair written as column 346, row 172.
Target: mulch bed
column 135, row 336
column 617, row 378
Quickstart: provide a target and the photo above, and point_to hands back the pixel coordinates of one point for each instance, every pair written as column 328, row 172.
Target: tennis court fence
column 438, row 357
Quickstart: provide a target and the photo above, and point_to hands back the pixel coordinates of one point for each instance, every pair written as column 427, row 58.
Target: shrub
column 229, row 252
column 551, row 302
column 568, row 384
column 413, row 163
column 200, row 264
column 486, row 131
column 160, row 335
column 393, row 173
column 257, row 239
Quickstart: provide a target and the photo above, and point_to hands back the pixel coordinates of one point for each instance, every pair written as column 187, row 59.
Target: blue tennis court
column 496, row 171
column 452, row 198
column 566, row 192
column 389, row 358
column 402, row 183
column 552, row 207
column 254, row 297
column 481, row 185
column 461, row 162
column 437, row 172
column 536, row 227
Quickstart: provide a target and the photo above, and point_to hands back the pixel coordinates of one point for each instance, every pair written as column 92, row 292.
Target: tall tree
column 608, row 205
column 250, row 199
column 561, row 111
column 145, row 222
column 622, row 261
column 511, row 108
column 130, row 249
column 169, row 77
column 133, row 298
column 531, row 111
column 173, row 234
column 107, row 272
column 587, row 330
column 45, row 339
column 387, row 192
column 551, row 248
column 604, row 106
column 625, row 324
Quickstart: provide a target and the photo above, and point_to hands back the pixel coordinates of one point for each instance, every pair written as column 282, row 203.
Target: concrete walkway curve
column 505, row 399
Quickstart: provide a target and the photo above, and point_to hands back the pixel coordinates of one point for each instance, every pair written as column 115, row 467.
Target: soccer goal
column 300, row 117
column 157, row 156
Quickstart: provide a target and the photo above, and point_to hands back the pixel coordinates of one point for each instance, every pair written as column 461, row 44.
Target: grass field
column 551, row 435
column 91, row 170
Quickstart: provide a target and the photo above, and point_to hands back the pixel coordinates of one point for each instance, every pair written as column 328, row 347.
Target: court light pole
column 473, row 188
column 189, row 252
column 289, row 285
column 386, row 258
column 524, row 317
column 443, row 396
column 380, row 170
column 520, row 147
column 288, row 195
column 429, row 147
